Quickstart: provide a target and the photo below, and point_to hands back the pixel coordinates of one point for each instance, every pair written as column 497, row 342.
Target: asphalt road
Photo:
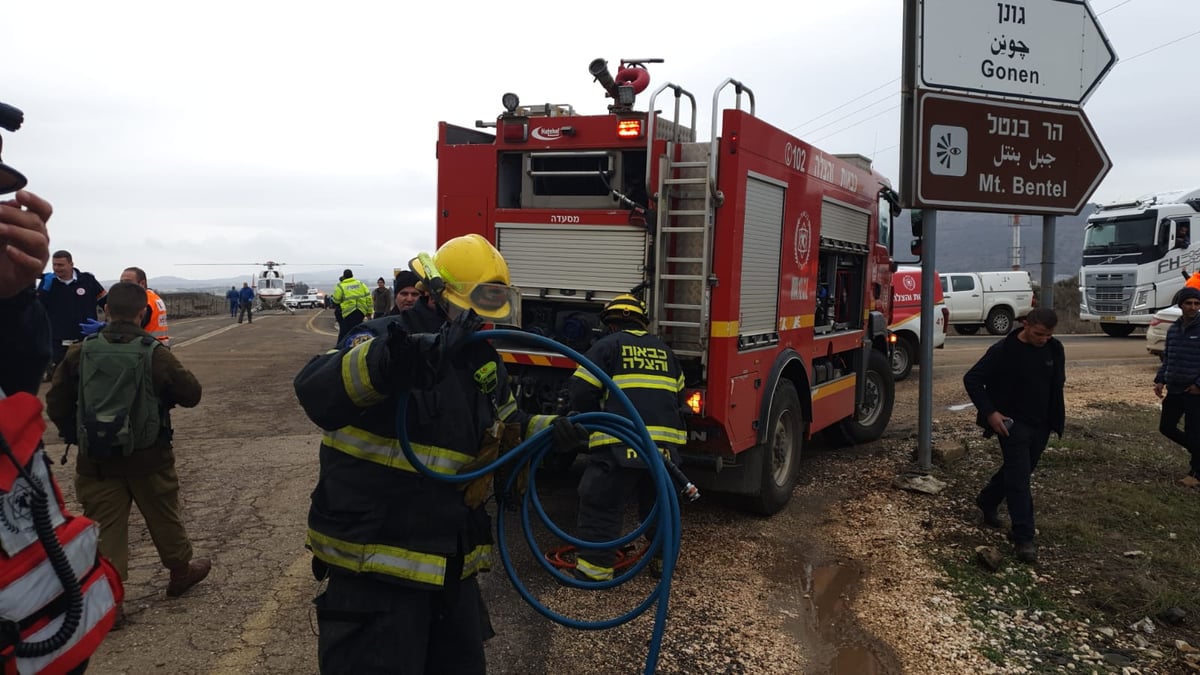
column 247, row 462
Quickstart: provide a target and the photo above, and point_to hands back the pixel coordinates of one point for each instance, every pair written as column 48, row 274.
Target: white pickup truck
column 993, row 300
column 302, row 301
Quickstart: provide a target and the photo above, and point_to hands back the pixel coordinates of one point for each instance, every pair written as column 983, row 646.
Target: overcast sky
column 167, row 133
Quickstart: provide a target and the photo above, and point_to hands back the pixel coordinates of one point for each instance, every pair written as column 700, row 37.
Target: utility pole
column 1015, row 257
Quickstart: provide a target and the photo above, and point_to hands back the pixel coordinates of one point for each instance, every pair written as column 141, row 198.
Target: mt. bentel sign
column 1047, row 50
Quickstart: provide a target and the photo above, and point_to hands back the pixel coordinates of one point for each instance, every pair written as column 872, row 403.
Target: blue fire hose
column 663, row 518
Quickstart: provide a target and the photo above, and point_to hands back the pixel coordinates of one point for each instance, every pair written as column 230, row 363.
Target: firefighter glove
column 569, row 437
column 455, row 333
column 413, row 357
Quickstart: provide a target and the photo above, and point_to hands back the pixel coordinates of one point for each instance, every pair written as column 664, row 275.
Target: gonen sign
column 986, row 155
column 1049, row 50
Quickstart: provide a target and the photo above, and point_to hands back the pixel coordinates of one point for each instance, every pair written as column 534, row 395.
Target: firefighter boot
column 186, row 575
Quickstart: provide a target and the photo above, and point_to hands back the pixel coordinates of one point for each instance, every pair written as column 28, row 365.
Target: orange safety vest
column 32, row 599
column 158, row 318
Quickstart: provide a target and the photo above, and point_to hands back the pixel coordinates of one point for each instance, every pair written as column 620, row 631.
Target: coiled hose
column 664, row 517
column 40, row 506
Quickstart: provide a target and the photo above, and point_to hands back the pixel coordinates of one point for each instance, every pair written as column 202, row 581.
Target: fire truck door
column 464, row 214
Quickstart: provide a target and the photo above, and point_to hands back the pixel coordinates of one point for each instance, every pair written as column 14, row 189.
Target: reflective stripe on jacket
column 371, row 512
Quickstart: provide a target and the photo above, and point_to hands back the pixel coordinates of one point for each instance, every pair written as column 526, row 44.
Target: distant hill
column 978, row 242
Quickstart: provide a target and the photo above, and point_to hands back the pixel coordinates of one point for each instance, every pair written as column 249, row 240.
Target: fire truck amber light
column 891, row 337
column 629, row 128
column 695, row 401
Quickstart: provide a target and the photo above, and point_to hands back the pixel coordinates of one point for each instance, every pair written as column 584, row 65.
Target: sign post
column 991, row 121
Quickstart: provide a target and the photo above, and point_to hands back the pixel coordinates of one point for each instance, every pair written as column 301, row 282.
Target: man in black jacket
column 1017, row 387
column 71, row 297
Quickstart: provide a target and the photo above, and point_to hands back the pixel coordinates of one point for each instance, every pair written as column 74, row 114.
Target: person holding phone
column 1017, row 388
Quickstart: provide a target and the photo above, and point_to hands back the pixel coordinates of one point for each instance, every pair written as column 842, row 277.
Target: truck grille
column 1109, row 292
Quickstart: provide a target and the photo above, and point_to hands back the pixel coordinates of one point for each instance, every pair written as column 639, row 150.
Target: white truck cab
column 1136, row 256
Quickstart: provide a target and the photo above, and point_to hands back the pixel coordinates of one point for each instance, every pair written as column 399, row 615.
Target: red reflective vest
column 31, row 594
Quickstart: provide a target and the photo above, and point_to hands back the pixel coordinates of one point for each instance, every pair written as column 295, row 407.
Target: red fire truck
column 763, row 262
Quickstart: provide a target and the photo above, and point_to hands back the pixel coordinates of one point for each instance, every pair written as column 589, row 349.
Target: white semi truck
column 1136, row 256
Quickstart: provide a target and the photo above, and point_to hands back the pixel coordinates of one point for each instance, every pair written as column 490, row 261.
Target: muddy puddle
column 817, row 604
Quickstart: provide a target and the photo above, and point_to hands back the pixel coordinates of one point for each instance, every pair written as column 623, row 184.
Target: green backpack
column 118, row 410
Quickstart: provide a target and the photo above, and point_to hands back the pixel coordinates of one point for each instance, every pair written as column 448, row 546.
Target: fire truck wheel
column 1000, row 321
column 875, row 408
column 780, row 454
column 904, row 355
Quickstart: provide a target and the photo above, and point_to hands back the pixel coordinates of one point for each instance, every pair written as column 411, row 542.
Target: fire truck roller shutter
column 760, row 257
column 844, row 224
column 604, row 259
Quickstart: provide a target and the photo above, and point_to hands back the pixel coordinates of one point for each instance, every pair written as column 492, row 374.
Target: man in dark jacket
column 71, row 298
column 648, row 373
column 401, row 551
column 1017, row 388
column 1180, row 376
column 108, row 487
column 234, row 299
column 246, row 303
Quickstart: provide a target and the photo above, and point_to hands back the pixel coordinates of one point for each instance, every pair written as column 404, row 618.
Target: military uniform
column 147, row 476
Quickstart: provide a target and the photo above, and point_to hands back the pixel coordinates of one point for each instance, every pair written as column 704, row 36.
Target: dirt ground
column 836, row 583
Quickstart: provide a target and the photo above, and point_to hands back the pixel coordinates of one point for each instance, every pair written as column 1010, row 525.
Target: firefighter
column 401, row 551
column 648, row 373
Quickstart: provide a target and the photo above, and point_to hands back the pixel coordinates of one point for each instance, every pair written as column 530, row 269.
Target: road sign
column 985, row 155
column 1049, row 50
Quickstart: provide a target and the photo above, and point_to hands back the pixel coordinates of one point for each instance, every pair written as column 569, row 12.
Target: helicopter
column 269, row 287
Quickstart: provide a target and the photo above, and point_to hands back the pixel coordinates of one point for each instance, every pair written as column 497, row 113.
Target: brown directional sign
column 989, row 155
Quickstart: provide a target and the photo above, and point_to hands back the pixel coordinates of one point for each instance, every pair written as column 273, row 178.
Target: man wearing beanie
column 1179, row 374
column 406, row 290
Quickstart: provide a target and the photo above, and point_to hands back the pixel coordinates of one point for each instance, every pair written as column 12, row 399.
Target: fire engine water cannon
column 632, row 79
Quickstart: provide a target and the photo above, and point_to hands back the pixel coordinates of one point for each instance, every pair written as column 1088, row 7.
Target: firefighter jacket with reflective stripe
column 32, row 599
column 371, row 512
column 647, row 372
column 156, row 323
column 351, row 294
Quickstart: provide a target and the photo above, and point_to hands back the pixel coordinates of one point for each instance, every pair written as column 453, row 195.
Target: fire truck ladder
column 682, row 235
column 687, row 201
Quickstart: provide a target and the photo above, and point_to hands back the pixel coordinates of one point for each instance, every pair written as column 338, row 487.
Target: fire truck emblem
column 546, row 134
column 803, row 240
column 910, row 284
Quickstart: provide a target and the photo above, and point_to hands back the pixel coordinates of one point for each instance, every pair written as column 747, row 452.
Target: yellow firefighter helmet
column 467, row 272
column 625, row 307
